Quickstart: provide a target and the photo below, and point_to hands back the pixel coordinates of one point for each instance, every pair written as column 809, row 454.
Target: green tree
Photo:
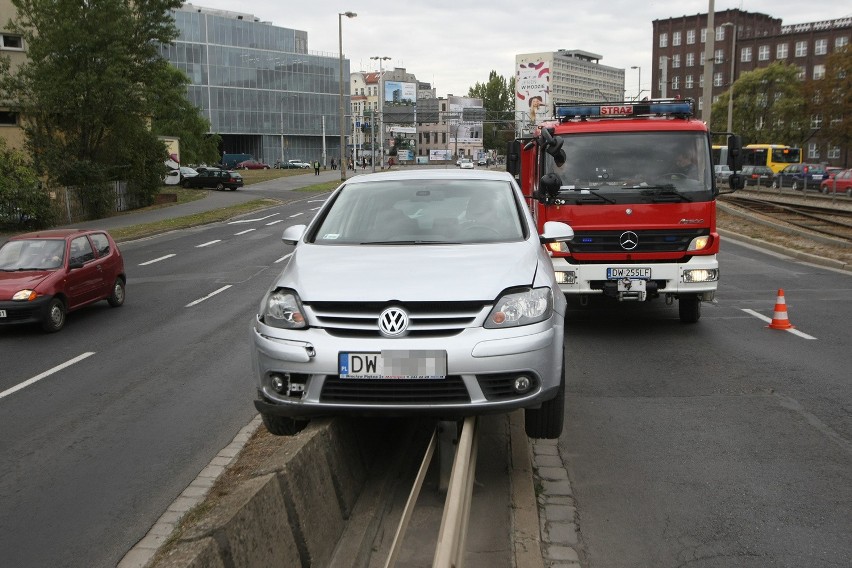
column 769, row 107
column 498, row 99
column 87, row 92
column 22, row 199
column 831, row 100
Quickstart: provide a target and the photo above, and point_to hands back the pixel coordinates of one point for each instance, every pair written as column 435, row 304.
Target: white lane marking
column 208, row 296
column 275, row 222
column 296, row 214
column 252, row 220
column 769, row 320
column 156, row 260
column 47, row 373
column 316, row 208
column 208, row 243
column 283, row 258
column 244, row 232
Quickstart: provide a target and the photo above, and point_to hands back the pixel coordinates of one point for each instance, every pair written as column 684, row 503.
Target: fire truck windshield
column 635, row 167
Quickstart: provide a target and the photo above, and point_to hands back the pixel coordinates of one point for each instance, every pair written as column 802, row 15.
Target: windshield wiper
column 664, row 191
column 590, row 192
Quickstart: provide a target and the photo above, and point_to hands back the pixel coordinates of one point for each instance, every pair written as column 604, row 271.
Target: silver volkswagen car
column 415, row 292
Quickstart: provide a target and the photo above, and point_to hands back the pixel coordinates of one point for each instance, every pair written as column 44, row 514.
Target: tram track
column 831, row 222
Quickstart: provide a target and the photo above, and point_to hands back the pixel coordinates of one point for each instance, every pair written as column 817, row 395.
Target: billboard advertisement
column 462, row 131
column 400, row 100
column 532, row 88
column 440, row 155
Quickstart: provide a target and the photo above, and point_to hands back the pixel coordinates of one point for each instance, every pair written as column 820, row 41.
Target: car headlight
column 522, row 307
column 27, row 295
column 284, row 310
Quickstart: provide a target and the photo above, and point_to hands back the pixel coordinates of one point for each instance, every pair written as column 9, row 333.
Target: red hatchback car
column 251, row 165
column 46, row 274
column 840, row 182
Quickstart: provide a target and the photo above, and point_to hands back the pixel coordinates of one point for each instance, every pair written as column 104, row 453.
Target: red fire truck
column 635, row 181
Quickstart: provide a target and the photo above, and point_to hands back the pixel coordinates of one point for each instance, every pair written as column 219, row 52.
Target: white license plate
column 394, row 364
column 628, row 272
column 2, row 313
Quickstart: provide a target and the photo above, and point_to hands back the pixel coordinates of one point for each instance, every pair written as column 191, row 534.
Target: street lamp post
column 381, row 58
column 639, row 89
column 733, row 26
column 342, row 113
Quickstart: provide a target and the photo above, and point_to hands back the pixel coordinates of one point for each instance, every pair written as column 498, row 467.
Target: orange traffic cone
column 779, row 318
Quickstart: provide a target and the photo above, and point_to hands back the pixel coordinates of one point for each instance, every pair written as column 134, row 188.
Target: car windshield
column 32, row 254
column 635, row 167
column 415, row 211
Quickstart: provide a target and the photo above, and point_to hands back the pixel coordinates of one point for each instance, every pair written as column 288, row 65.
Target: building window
column 763, row 53
column 745, row 54
column 675, row 60
column 801, row 49
column 690, row 59
column 703, row 35
column 720, row 33
column 833, row 152
column 664, row 40
column 8, row 118
column 717, row 79
column 813, row 151
column 821, row 47
column 819, row 71
column 781, row 51
column 9, row 41
column 688, row 82
column 675, row 38
column 719, row 56
column 675, row 83
column 816, row 121
column 841, row 41
column 690, row 37
column 801, row 74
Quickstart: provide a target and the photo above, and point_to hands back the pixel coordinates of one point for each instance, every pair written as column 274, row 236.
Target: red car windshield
column 32, row 254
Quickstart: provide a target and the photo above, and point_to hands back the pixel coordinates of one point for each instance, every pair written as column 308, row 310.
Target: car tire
column 56, row 313
column 116, row 299
column 689, row 309
column 795, row 186
column 283, row 425
column 185, row 184
column 774, row 184
column 220, row 186
column 546, row 422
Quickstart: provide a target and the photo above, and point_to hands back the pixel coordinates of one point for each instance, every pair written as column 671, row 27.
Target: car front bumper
column 482, row 368
column 34, row 311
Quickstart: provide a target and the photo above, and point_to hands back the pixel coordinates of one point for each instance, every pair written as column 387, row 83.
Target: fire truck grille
column 634, row 241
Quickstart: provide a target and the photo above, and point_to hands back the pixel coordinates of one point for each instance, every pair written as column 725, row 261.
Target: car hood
column 11, row 282
column 409, row 273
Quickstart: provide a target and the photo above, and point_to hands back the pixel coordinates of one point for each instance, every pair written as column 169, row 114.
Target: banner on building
column 532, row 88
column 464, row 131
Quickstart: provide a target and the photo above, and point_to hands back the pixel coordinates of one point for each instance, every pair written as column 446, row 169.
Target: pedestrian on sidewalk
column 316, row 167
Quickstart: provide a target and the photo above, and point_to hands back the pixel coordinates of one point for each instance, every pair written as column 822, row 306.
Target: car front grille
column 426, row 319
column 450, row 390
column 648, row 241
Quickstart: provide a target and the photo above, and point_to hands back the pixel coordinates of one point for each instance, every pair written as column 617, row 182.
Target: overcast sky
column 453, row 44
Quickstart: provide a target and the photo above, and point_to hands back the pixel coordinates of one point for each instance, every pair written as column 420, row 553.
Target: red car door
column 85, row 282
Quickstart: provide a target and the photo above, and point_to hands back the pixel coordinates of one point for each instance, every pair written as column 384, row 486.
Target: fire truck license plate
column 393, row 364
column 631, row 272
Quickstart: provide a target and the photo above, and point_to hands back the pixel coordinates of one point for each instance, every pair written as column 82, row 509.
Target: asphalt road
column 717, row 444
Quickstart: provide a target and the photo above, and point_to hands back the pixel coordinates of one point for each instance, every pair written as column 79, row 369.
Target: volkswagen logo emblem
column 628, row 240
column 393, row 322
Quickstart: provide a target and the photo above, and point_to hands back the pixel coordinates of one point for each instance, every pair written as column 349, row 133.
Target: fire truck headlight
column 699, row 243
column 567, row 277
column 701, row 275
column 558, row 247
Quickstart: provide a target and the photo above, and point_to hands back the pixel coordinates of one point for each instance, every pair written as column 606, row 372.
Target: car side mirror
column 293, row 235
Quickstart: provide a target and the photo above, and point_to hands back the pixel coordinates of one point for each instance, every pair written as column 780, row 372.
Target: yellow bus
column 776, row 156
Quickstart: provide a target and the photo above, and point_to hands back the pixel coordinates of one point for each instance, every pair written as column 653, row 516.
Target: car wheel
column 774, row 184
column 55, row 316
column 689, row 309
column 185, row 184
column 547, row 420
column 283, row 425
column 220, row 186
column 795, row 186
column 117, row 297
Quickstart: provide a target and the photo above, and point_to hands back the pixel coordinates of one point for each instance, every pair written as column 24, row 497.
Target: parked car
column 298, row 164
column 252, row 165
column 482, row 162
column 215, row 178
column 466, row 164
column 174, row 177
column 760, row 176
column 451, row 306
column 799, row 176
column 722, row 173
column 840, row 182
column 46, row 274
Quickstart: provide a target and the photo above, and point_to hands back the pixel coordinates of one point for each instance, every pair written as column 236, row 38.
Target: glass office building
column 259, row 86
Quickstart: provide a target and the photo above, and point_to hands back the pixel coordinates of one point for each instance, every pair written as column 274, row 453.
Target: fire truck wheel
column 689, row 308
column 546, row 421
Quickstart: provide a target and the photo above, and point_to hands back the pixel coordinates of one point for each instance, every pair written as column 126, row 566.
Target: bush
column 24, row 203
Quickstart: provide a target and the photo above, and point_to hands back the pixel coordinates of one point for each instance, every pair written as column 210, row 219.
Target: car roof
column 56, row 234
column 430, row 173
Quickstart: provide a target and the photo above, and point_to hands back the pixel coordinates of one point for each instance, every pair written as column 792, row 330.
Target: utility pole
column 707, row 93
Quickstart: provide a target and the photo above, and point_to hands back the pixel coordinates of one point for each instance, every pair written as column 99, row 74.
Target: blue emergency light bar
column 660, row 107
